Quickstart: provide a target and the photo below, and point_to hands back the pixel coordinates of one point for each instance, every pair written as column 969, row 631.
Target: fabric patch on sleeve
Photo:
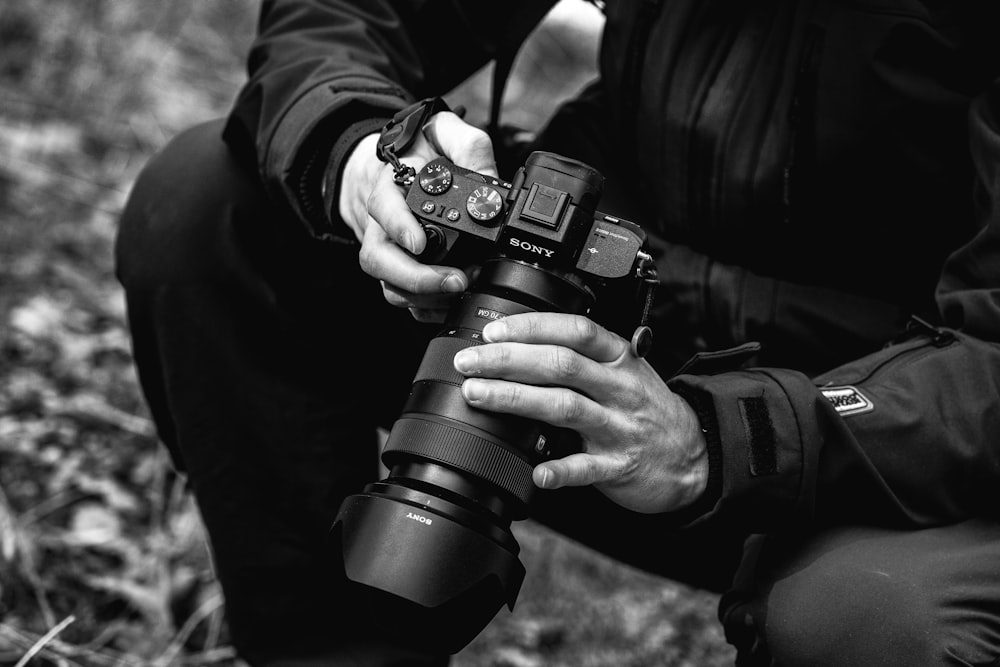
column 760, row 436
column 847, row 400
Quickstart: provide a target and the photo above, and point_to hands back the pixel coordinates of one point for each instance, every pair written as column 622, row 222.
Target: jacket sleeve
column 908, row 436
column 324, row 73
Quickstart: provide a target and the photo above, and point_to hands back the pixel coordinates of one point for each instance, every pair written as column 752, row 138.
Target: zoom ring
column 464, row 451
column 438, row 361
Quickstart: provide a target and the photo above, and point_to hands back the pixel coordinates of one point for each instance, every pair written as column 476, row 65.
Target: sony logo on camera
column 531, row 247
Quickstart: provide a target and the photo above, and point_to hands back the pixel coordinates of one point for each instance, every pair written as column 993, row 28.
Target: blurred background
column 103, row 560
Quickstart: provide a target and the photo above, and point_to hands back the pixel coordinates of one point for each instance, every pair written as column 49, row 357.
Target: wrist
column 695, row 480
column 707, row 479
column 358, row 174
column 335, row 179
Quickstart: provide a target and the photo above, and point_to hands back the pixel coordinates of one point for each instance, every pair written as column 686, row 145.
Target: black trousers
column 268, row 359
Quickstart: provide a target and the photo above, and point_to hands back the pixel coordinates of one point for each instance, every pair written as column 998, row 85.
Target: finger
column 387, row 207
column 539, row 365
column 428, row 315
column 466, row 145
column 573, row 331
column 579, row 470
column 435, row 301
column 384, row 260
column 554, row 405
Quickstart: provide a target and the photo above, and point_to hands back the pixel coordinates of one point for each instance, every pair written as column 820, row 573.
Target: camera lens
column 431, row 545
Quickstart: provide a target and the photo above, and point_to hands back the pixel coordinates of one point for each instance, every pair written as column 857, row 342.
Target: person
column 819, row 182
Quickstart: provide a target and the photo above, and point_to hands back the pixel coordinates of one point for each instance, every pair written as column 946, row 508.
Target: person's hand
column 375, row 209
column 642, row 444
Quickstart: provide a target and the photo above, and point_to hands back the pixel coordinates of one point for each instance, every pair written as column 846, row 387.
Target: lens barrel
column 430, row 545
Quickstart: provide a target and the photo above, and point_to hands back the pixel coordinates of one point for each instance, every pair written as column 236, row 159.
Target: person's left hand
column 642, row 444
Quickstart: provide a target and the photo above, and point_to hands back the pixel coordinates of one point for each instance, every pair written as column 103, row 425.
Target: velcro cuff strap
column 760, row 441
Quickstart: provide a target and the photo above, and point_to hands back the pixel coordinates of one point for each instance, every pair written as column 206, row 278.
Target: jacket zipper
column 939, row 336
column 802, row 108
column 933, row 337
column 635, row 59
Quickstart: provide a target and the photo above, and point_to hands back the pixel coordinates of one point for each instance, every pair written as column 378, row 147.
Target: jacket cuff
column 701, row 402
column 296, row 159
column 329, row 191
column 759, row 467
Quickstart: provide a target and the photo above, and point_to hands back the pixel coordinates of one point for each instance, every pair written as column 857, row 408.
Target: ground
column 103, row 560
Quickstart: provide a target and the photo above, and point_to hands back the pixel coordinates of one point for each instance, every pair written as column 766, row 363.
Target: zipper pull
column 939, row 336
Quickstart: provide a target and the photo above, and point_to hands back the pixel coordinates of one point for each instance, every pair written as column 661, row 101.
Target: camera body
column 546, row 217
column 430, row 545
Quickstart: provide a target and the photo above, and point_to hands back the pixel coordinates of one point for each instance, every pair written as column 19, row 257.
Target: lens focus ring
column 464, row 451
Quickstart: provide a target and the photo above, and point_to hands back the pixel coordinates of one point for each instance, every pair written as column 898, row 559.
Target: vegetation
column 103, row 560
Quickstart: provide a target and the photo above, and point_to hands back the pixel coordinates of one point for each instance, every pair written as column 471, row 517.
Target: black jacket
column 819, row 171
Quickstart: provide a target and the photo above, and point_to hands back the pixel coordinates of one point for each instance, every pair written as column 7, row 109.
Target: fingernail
column 407, row 241
column 452, row 283
column 473, row 391
column 465, row 361
column 495, row 331
column 546, row 477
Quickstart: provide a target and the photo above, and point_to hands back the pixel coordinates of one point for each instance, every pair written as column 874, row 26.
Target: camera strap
column 650, row 281
column 642, row 338
column 401, row 131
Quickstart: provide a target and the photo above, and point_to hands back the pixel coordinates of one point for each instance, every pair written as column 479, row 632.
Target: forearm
column 322, row 75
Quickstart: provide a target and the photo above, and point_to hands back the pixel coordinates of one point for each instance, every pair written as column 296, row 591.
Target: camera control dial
column 435, row 179
column 484, row 204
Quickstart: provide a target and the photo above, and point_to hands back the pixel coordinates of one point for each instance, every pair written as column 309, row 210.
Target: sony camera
column 431, row 544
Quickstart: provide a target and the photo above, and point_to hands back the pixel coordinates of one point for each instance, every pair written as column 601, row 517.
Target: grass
column 103, row 559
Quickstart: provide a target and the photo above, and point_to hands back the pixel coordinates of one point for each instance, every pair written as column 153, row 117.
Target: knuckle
column 372, row 203
column 568, row 406
column 628, row 462
column 478, row 137
column 585, row 328
column 631, row 394
column 589, row 470
column 425, row 315
column 480, row 145
column 501, row 355
column 412, row 284
column 602, row 420
column 367, row 259
column 513, row 395
column 565, row 363
column 395, row 299
column 527, row 327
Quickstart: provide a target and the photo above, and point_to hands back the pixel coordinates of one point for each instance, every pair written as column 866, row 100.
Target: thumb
column 466, row 145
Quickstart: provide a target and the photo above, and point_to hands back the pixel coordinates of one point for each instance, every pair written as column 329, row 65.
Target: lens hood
column 427, row 578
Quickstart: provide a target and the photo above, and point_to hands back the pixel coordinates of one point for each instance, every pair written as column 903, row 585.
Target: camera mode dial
column 435, row 179
column 484, row 203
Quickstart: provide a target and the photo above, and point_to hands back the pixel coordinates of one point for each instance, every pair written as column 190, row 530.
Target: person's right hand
column 374, row 207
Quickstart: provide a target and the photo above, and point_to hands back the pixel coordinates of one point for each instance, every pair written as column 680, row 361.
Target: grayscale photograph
column 546, row 333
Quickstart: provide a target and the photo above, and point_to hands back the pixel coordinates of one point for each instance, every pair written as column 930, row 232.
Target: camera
column 430, row 545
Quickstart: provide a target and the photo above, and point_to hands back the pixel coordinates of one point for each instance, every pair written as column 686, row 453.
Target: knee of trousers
column 869, row 598
column 178, row 219
column 840, row 614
